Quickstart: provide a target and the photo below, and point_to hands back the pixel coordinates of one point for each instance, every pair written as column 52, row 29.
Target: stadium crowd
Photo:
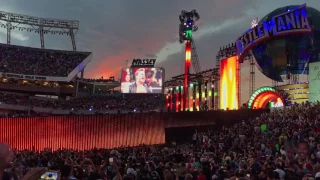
column 144, row 102
column 283, row 144
column 32, row 61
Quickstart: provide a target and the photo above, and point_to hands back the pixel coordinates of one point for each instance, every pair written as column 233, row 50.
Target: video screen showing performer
column 142, row 80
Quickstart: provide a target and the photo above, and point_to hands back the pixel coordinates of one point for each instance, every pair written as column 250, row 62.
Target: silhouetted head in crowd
column 66, row 171
column 303, row 150
column 290, row 150
column 6, row 156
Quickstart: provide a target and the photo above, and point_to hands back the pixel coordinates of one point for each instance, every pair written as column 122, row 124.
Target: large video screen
column 142, row 80
column 228, row 83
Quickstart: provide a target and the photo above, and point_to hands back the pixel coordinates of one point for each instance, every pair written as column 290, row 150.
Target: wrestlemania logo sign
column 143, row 62
column 291, row 22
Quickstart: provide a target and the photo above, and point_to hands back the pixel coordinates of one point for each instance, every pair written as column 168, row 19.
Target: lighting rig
column 186, row 28
column 43, row 26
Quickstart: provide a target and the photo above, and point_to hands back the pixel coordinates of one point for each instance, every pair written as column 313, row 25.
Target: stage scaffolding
column 201, row 93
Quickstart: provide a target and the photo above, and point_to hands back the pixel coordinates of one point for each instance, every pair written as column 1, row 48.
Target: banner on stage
column 291, row 22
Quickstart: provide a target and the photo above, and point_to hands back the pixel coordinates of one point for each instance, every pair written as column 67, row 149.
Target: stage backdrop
column 111, row 131
column 314, row 82
column 82, row 132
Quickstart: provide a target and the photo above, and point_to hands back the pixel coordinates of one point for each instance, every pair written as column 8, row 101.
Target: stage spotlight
column 195, row 28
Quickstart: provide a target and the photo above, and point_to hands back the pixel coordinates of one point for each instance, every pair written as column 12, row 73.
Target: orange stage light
column 229, row 80
column 188, row 53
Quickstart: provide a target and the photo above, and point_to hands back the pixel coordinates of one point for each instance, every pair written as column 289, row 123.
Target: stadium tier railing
column 63, row 112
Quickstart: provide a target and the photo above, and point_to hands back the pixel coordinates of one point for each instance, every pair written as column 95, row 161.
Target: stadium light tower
column 186, row 28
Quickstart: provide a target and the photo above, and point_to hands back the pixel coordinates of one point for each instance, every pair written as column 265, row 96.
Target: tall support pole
column 73, row 40
column 186, row 74
column 82, row 74
column 8, row 32
column 252, row 76
column 238, row 66
column 186, row 27
column 217, row 84
column 213, row 102
column 41, row 37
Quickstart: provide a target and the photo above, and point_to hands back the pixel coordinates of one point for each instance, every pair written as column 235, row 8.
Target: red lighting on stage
column 229, row 80
column 81, row 132
column 188, row 53
column 186, row 72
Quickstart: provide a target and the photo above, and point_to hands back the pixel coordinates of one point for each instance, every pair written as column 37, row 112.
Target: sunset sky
column 120, row 30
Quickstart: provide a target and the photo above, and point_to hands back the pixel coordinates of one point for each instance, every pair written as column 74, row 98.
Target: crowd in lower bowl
column 33, row 61
column 145, row 102
column 283, row 144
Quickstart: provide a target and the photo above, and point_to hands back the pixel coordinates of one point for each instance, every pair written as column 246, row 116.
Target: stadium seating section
column 33, row 61
column 98, row 102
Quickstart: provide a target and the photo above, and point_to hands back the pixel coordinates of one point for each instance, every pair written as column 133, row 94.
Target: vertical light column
column 209, row 98
column 177, row 99
column 212, row 96
column 194, row 97
column 186, row 72
column 206, row 94
column 238, row 83
column 197, row 96
column 191, row 89
column 203, row 93
column 181, row 98
column 171, row 100
column 190, row 97
column 167, row 100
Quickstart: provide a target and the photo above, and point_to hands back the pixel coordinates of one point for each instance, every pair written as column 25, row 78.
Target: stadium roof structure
column 39, row 25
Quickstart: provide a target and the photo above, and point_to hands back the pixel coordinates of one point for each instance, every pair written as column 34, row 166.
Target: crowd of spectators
column 283, row 144
column 32, row 61
column 15, row 99
column 105, row 102
column 17, row 113
column 145, row 102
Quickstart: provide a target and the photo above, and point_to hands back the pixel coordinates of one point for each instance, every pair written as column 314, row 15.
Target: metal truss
column 252, row 75
column 12, row 21
column 194, row 58
column 211, row 74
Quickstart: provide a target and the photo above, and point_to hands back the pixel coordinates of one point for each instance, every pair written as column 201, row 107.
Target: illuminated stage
column 265, row 96
column 282, row 46
column 294, row 93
